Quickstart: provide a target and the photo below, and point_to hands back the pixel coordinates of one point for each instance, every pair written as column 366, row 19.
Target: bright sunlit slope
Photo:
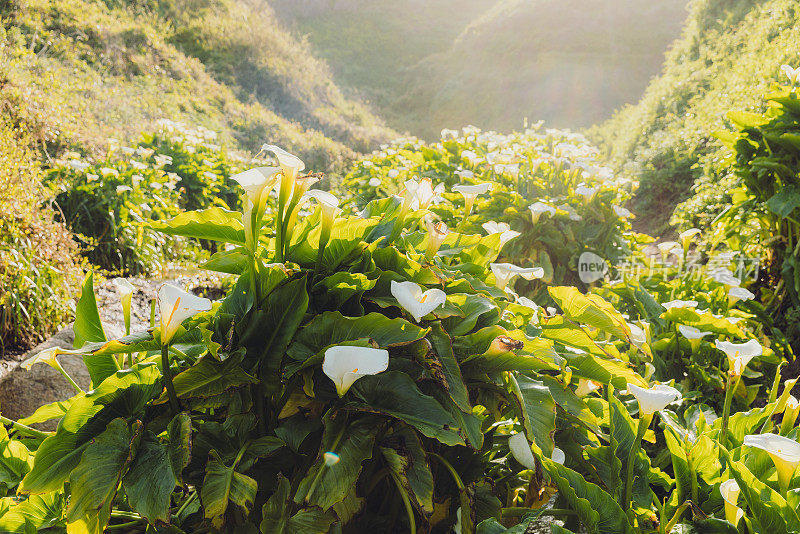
column 112, row 68
column 492, row 63
column 730, row 52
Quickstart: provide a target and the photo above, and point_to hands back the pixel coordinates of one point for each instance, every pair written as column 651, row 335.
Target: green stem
column 325, row 235
column 122, row 526
column 78, row 389
column 678, row 513
column 167, row 371
column 24, row 429
column 730, row 388
column 186, row 503
column 644, row 423
column 407, row 503
column 323, row 466
column 279, row 232
column 450, row 468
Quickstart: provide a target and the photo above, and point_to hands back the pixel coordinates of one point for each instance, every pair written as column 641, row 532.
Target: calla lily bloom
column 437, row 232
column 666, row 249
column 374, row 182
column 470, row 192
column 724, row 277
column 791, row 73
column 586, row 192
column 622, row 213
column 290, row 164
column 125, row 290
column 505, row 272
column 505, row 231
column 424, row 193
column 329, row 204
column 785, row 454
column 586, row 387
column 345, row 364
column 687, row 236
column 256, row 181
column 739, row 354
column 411, row 298
column 694, row 335
column 654, row 399
column 735, row 294
column 538, row 208
column 175, row 306
column 790, row 413
column 730, row 494
column 522, row 453
column 639, row 334
column 680, row 304
column 521, row 450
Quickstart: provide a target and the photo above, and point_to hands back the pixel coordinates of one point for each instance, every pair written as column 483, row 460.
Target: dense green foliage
column 730, row 52
column 547, row 186
column 133, row 63
column 426, row 65
column 37, row 271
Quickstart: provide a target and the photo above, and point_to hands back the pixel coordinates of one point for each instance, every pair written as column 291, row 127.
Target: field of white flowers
column 462, row 336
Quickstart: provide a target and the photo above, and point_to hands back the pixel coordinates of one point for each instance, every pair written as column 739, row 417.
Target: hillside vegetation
column 490, row 62
column 101, row 69
column 729, row 54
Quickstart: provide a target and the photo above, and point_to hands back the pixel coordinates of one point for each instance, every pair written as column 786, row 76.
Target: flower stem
column 78, row 389
column 730, row 388
column 644, row 423
column 412, row 525
column 24, row 429
column 678, row 513
column 173, row 397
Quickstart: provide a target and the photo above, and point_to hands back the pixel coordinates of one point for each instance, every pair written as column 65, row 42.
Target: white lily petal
column 521, row 450
column 505, row 272
column 690, row 332
column 411, row 298
column 345, row 364
column 654, row 399
column 175, row 306
column 739, row 354
column 735, row 294
column 785, row 454
column 290, row 164
column 124, row 288
column 255, row 181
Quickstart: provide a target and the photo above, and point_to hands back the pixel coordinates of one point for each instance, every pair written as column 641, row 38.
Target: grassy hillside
column 490, row 62
column 111, row 68
column 728, row 54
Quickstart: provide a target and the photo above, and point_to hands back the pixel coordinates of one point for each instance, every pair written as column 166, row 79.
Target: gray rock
column 22, row 392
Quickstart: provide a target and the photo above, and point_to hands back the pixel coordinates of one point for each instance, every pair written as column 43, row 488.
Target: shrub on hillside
column 37, row 270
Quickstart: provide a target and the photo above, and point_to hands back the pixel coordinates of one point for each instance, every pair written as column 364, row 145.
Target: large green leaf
column 215, row 224
column 395, row 394
column 476, row 351
column 461, row 312
column 37, row 512
column 180, row 443
column 333, row 328
column 785, row 201
column 269, row 330
column 47, row 412
column 598, row 511
column 15, row 461
column 150, row 480
column 406, row 458
column 539, row 411
column 88, row 328
column 223, row 484
column 353, row 442
column 276, row 519
column 623, row 431
column 450, row 370
column 703, row 320
column 590, row 309
column 208, row 377
column 123, row 395
column 94, row 481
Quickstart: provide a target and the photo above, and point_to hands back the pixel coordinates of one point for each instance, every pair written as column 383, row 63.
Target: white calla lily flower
column 175, row 306
column 345, row 364
column 290, row 164
column 257, row 180
column 412, row 299
column 538, row 208
column 586, row 387
column 622, row 213
column 724, row 277
column 739, row 354
column 694, row 335
column 586, row 192
column 666, row 248
column 471, row 192
column 521, row 450
column 654, row 399
column 374, row 182
column 505, row 272
column 785, row 454
column 791, row 73
column 735, row 294
column 687, row 236
column 437, row 232
column 505, row 231
column 328, row 202
column 680, row 304
column 730, row 494
column 125, row 290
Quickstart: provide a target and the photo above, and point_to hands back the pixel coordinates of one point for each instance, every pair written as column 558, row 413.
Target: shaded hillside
column 490, row 62
column 728, row 54
column 111, row 69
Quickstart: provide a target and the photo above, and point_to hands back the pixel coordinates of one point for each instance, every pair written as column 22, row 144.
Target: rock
column 22, row 392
